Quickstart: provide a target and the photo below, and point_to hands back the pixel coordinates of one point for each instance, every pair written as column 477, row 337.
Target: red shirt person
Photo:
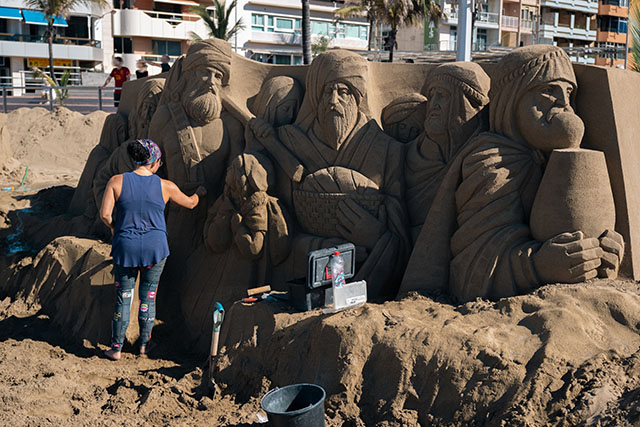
column 120, row 74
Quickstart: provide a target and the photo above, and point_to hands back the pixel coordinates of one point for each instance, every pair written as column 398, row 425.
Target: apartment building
column 569, row 23
column 507, row 23
column 612, row 30
column 273, row 29
column 148, row 29
column 23, row 42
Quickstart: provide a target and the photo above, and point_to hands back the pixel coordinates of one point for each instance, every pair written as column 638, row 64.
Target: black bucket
column 295, row 405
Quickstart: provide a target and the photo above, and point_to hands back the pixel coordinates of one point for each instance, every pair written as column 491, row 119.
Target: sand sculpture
column 403, row 118
column 476, row 240
column 295, row 161
column 458, row 95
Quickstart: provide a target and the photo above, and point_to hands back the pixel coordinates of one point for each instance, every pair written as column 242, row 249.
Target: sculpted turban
column 402, row 108
column 520, row 71
column 210, row 52
column 275, row 92
column 339, row 66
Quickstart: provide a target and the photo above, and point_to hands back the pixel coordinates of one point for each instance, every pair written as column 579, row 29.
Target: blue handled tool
column 218, row 317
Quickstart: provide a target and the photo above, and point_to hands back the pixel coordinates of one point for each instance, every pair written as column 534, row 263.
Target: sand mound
column 54, row 144
column 564, row 355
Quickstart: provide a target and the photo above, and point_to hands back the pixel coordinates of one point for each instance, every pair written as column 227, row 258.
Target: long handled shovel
column 218, row 317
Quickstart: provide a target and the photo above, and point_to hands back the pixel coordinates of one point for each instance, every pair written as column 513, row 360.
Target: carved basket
column 318, row 213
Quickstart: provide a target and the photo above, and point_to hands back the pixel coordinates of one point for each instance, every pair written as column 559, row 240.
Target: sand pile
column 565, row 355
column 55, row 145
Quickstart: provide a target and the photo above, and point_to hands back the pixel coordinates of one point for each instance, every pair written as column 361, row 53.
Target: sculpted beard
column 202, row 103
column 337, row 122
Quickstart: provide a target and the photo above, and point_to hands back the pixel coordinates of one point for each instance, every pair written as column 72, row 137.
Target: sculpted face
column 285, row 112
column 201, row 99
column 546, row 120
column 337, row 113
column 437, row 120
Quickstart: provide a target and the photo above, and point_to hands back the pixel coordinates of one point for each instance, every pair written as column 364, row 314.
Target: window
column 613, row 24
column 320, row 28
column 352, row 31
column 171, row 48
column 257, row 22
column 77, row 27
column 122, row 45
column 481, row 39
column 283, row 59
column 284, row 24
column 297, row 60
column 453, row 37
column 364, row 32
column 3, row 26
column 621, row 3
column 611, row 50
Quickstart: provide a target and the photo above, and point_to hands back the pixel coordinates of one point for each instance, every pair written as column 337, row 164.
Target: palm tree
column 359, row 8
column 53, row 9
column 218, row 25
column 306, row 32
column 398, row 13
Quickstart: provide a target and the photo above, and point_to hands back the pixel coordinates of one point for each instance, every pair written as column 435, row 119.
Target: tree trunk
column 392, row 42
column 372, row 22
column 51, row 30
column 306, row 32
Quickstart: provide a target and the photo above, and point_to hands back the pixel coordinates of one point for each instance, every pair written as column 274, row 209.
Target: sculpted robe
column 378, row 157
column 426, row 166
column 476, row 240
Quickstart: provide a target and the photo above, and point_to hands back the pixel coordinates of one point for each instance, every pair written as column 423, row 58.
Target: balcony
column 510, row 23
column 295, row 39
column 550, row 31
column 612, row 10
column 483, row 19
column 25, row 45
column 140, row 23
column 611, row 37
column 590, row 7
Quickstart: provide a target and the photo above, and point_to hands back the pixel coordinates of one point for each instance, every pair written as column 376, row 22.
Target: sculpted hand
column 261, row 128
column 568, row 258
column 612, row 245
column 236, row 219
column 201, row 191
column 358, row 226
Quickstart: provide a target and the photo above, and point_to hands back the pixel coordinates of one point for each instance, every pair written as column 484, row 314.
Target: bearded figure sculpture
column 197, row 139
column 457, row 95
column 476, row 240
column 340, row 174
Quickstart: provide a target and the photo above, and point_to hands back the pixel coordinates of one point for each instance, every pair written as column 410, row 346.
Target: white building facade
column 78, row 44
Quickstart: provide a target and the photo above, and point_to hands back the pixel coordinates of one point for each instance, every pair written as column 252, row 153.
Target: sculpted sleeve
column 492, row 247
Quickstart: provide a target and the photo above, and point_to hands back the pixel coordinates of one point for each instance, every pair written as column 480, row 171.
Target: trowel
column 218, row 317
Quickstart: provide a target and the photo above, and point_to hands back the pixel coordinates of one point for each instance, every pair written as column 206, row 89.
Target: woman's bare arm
column 111, row 194
column 172, row 193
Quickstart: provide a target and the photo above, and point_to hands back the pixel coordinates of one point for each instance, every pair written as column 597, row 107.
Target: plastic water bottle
column 337, row 270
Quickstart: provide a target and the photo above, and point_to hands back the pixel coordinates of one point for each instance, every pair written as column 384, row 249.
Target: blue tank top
column 140, row 231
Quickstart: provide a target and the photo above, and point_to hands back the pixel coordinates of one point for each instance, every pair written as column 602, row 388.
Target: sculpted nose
column 563, row 98
column 333, row 97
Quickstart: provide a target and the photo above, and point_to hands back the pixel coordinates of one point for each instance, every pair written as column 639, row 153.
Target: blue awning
column 37, row 18
column 10, row 13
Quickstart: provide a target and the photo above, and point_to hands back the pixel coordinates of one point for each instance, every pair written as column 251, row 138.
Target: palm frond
column 350, row 12
column 634, row 22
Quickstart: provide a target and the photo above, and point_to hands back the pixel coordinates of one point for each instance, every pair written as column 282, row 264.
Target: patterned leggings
column 125, row 285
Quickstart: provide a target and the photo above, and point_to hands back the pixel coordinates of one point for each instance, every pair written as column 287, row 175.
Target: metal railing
column 175, row 18
column 51, row 97
column 488, row 17
column 28, row 38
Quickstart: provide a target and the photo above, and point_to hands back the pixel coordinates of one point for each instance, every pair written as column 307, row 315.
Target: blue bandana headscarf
column 152, row 149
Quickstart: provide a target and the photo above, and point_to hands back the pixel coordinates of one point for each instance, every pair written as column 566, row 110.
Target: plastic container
column 297, row 405
column 336, row 266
